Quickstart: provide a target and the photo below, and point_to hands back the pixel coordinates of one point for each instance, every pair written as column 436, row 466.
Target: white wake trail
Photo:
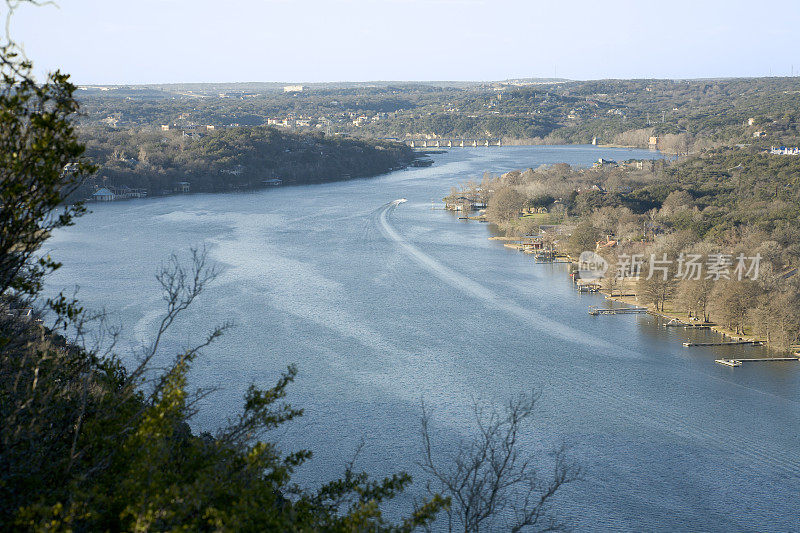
column 475, row 289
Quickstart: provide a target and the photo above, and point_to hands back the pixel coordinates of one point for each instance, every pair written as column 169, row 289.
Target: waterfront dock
column 726, row 343
column 738, row 362
column 674, row 323
column 594, row 311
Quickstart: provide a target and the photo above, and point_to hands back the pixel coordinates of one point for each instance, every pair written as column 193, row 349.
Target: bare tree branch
column 489, row 477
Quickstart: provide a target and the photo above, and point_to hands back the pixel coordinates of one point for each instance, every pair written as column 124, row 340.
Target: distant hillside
column 232, row 159
column 685, row 115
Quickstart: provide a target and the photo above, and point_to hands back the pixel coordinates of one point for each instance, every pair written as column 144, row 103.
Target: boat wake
column 636, row 409
column 478, row 291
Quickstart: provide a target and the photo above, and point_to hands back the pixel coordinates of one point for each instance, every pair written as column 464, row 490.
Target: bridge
column 452, row 143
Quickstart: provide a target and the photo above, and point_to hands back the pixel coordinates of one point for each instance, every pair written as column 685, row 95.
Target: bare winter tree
column 493, row 483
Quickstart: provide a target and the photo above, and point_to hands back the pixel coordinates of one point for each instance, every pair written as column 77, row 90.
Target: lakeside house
column 471, row 204
column 636, row 164
column 103, row 195
column 610, row 242
column 604, row 163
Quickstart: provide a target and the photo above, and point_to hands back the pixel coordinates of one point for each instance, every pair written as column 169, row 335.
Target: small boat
column 728, row 362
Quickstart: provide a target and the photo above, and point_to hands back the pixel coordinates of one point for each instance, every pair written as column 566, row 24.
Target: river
column 383, row 306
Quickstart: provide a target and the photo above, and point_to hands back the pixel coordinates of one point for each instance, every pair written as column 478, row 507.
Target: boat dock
column 675, row 323
column 728, row 343
column 594, row 311
column 687, row 326
column 738, row 362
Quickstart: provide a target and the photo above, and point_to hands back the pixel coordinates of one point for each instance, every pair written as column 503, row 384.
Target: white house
column 785, row 151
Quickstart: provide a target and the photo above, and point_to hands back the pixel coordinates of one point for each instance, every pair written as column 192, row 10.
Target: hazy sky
column 154, row 41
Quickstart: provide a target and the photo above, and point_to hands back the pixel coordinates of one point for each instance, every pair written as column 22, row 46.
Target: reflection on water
column 382, row 306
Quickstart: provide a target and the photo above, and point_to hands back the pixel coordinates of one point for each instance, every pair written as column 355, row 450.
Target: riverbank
column 670, row 314
column 628, row 297
column 116, row 194
column 683, row 318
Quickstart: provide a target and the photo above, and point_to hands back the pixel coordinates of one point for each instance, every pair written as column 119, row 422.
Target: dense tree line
column 233, row 158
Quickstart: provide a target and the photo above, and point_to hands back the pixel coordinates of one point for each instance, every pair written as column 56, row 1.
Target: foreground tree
column 41, row 163
column 88, row 444
column 492, row 483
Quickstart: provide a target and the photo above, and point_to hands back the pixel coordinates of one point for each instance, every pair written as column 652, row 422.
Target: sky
column 170, row 41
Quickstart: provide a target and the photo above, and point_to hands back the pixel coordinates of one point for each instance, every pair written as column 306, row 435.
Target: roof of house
column 103, row 192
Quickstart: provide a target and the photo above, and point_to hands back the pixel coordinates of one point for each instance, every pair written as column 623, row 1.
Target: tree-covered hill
column 703, row 113
column 232, row 158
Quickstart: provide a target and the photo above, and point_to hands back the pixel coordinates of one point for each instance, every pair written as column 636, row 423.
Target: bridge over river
column 452, row 143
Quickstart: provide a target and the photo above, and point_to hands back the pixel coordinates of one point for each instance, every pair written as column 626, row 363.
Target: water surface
column 384, row 306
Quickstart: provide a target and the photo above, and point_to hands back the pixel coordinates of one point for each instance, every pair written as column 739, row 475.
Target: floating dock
column 686, row 325
column 594, row 311
column 729, row 343
column 738, row 362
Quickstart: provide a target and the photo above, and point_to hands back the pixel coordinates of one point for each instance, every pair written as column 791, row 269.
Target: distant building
column 182, row 186
column 281, row 122
column 653, row 143
column 294, row 88
column 103, row 195
column 785, row 151
column 633, row 164
column 604, row 162
column 758, row 134
column 751, row 121
column 165, row 127
column 110, row 121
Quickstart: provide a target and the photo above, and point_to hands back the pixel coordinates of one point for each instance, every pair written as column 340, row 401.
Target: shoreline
column 682, row 318
column 255, row 188
column 670, row 315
